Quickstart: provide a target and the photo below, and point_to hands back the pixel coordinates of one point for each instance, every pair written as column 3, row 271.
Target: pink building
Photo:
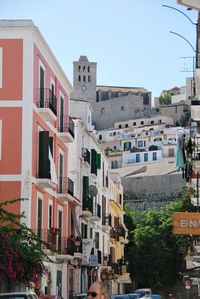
column 35, row 129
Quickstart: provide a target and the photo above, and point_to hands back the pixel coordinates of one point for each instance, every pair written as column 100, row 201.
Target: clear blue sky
column 129, row 39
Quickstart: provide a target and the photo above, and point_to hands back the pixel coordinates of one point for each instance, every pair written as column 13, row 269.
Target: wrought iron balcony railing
column 86, row 155
column 46, row 99
column 66, row 124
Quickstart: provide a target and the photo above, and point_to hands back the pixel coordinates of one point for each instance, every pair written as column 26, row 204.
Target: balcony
column 195, row 109
column 96, row 213
column 114, row 234
column 43, row 177
column 46, row 104
column 85, row 155
column 66, row 189
column 66, row 129
column 106, row 223
column 87, row 207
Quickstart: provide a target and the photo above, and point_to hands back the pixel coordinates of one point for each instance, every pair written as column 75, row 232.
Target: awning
column 125, row 278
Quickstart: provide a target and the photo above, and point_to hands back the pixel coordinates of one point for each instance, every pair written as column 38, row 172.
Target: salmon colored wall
column 38, row 122
column 12, row 69
column 10, row 191
column 49, row 74
column 56, row 203
column 11, row 140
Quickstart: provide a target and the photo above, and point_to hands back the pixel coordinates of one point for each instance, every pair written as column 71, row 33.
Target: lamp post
column 197, row 33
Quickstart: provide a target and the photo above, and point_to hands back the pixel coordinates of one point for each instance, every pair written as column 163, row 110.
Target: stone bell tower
column 84, row 79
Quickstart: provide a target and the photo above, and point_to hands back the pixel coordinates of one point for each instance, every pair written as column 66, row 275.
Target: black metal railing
column 66, row 124
column 97, row 210
column 46, row 99
column 85, row 154
column 88, row 204
column 107, row 220
column 71, row 247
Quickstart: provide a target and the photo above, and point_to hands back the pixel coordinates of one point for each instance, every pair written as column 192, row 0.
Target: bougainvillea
column 21, row 251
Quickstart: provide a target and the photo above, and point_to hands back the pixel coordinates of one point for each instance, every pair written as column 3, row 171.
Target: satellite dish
column 93, row 190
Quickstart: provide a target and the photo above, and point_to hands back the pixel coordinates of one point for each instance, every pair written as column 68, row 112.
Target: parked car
column 19, row 295
column 134, row 296
column 50, row 297
column 80, row 296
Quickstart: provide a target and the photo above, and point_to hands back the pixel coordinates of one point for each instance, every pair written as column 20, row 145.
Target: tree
column 166, row 99
column 156, row 256
column 21, row 254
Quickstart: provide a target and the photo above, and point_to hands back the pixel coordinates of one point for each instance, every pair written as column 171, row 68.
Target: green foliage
column 156, row 256
column 166, row 99
column 21, row 254
column 185, row 120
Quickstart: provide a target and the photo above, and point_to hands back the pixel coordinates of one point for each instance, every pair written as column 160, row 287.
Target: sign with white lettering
column 185, row 223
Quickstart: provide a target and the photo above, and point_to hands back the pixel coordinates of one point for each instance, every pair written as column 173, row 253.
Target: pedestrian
column 99, row 290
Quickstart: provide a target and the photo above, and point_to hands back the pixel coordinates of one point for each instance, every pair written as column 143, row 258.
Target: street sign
column 190, row 3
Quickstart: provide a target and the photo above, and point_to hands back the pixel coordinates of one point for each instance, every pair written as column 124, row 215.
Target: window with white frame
column 50, row 215
column 39, row 216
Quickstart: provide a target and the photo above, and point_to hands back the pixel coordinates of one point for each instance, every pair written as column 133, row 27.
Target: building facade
column 35, row 131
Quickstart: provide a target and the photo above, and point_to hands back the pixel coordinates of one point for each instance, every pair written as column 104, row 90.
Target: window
column 42, row 96
column 84, row 78
column 100, row 137
column 84, row 230
column 1, row 67
column 154, row 156
column 140, row 143
column 79, row 78
column 114, row 147
column 134, row 123
column 61, row 114
column 114, row 133
column 127, row 146
column 152, row 122
column 88, row 69
column 61, row 173
column 120, row 126
column 126, row 125
column 91, row 233
column 50, row 220
column 83, row 68
column 96, row 240
column 122, row 108
column 72, row 224
column 39, row 218
column 145, row 157
column 89, row 78
column 60, row 224
column 137, row 158
column 142, row 122
column 79, row 68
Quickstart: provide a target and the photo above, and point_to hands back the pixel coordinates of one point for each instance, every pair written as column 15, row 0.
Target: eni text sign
column 186, row 223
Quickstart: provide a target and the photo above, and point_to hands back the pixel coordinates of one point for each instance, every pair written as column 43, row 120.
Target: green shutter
column 98, row 161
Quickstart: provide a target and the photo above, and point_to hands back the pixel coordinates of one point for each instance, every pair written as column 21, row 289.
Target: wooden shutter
column 98, row 161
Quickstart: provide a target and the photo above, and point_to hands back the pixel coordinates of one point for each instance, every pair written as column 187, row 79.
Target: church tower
column 84, row 79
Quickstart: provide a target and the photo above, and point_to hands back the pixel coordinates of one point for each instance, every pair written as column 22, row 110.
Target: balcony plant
column 21, row 254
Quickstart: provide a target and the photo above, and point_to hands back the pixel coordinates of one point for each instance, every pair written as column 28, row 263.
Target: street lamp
column 197, row 33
